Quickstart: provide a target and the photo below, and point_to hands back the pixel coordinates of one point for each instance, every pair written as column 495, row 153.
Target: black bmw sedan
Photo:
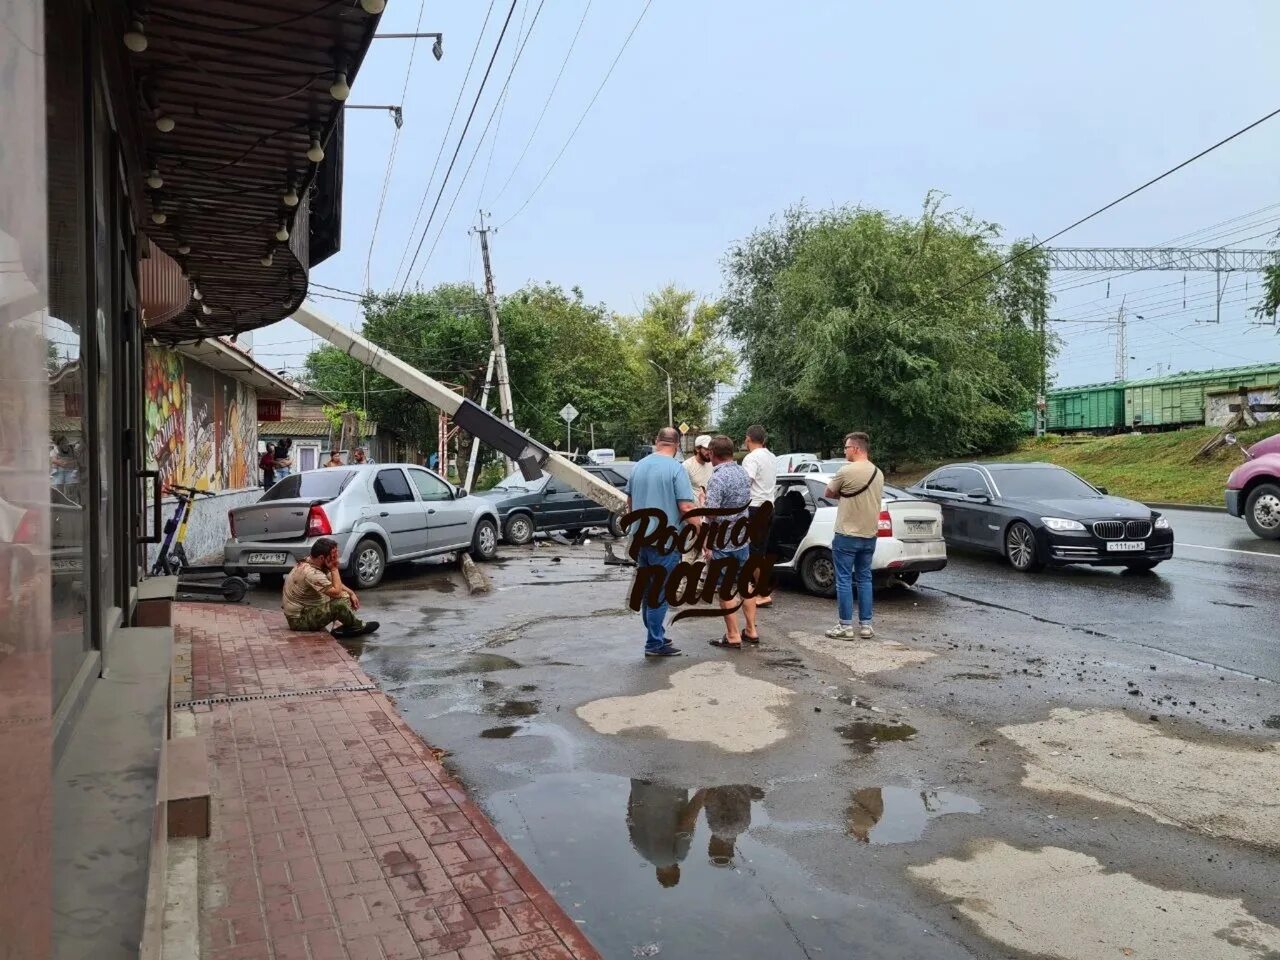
column 1039, row 514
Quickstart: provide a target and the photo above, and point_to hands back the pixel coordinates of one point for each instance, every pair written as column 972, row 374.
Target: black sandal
column 724, row 642
column 750, row 639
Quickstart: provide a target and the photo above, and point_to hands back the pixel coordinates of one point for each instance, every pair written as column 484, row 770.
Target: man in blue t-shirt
column 660, row 481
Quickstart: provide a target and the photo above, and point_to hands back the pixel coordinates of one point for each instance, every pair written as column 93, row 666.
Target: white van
column 790, row 462
column 603, row 455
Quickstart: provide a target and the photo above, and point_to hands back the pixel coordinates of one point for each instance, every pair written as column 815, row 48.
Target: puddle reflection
column 661, row 820
column 864, row 736
column 886, row 815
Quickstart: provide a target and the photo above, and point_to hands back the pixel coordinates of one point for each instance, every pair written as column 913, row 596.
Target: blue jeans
column 852, row 556
column 655, row 618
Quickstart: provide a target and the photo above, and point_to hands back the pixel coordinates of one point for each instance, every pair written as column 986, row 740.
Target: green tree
column 685, row 338
column 908, row 328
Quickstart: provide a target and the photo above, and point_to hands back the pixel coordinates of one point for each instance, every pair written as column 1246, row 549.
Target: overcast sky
column 721, row 113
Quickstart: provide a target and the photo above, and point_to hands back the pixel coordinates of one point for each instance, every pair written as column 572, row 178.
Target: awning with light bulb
column 240, row 114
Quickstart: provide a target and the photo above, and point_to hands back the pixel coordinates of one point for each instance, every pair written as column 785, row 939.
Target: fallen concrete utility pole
column 529, row 455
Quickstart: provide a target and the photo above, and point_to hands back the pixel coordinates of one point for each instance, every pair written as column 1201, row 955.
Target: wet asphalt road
column 874, row 775
column 1216, row 601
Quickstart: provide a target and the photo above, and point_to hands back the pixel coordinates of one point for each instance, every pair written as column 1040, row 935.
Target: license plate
column 919, row 525
column 268, row 558
column 1127, row 546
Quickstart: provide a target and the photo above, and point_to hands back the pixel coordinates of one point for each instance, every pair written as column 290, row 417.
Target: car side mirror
column 982, row 496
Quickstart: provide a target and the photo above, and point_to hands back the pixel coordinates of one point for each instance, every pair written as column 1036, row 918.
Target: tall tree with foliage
column 909, row 328
column 683, row 335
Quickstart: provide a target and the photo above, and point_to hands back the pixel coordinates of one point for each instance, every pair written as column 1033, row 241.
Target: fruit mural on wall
column 202, row 429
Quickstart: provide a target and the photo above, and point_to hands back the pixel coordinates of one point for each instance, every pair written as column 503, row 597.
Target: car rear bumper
column 237, row 555
column 1235, row 503
column 916, row 565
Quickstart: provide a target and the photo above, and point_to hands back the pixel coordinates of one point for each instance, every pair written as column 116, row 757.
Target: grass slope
column 1153, row 467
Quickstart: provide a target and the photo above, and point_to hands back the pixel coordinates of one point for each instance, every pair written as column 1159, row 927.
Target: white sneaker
column 865, row 632
column 843, row 632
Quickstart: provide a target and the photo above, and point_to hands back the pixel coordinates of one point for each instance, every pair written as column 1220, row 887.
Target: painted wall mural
column 202, row 428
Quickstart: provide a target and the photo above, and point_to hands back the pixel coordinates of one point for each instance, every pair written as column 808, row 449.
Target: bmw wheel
column 519, row 529
column 1020, row 548
column 368, row 563
column 818, row 572
column 484, row 542
column 1262, row 511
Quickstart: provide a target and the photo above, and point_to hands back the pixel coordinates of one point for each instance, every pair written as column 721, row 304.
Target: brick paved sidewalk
column 337, row 834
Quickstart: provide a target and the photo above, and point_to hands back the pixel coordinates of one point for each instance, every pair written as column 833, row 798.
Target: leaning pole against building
column 531, row 456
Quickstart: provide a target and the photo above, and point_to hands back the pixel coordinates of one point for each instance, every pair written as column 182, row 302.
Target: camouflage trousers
column 317, row 618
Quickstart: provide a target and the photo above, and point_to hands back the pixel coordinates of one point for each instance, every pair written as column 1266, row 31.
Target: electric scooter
column 172, row 559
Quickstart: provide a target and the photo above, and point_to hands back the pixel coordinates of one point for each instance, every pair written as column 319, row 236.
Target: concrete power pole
column 499, row 349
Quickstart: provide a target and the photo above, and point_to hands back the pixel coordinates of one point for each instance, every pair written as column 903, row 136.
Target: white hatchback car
column 909, row 540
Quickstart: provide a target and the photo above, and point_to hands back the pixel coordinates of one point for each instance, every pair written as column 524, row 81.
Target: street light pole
column 670, row 416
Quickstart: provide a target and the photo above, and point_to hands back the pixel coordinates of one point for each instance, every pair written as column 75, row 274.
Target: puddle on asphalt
column 641, row 863
column 864, row 736
column 514, row 708
column 440, row 585
column 476, row 663
column 886, row 815
column 499, row 733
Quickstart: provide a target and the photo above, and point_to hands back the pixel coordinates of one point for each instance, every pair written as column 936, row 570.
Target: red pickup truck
column 1253, row 489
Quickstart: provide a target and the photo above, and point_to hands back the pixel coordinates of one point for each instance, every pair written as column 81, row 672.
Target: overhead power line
column 391, row 156
column 1103, row 209
column 546, row 103
column 458, row 149
column 621, row 50
column 480, row 142
column 444, row 139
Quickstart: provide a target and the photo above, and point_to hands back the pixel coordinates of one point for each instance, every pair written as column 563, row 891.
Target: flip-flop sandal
column 750, row 639
column 724, row 642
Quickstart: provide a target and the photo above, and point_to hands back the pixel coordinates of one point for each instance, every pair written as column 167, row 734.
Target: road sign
column 568, row 413
column 684, row 428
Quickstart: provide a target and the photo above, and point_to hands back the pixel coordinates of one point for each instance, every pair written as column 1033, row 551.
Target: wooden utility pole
column 499, row 348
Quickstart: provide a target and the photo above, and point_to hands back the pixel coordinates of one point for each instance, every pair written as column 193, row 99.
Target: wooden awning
column 236, row 108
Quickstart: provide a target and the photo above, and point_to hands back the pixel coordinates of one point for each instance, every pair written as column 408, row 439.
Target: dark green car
column 526, row 507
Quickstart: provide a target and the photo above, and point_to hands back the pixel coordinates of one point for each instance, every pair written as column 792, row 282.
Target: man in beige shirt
column 315, row 596
column 857, row 487
column 699, row 468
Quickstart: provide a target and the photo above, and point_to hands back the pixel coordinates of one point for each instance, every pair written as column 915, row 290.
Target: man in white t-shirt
column 762, row 468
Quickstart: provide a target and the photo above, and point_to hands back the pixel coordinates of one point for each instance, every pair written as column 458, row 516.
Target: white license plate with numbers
column 1127, row 546
column 268, row 558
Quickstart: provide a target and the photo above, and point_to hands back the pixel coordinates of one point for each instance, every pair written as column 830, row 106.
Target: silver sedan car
column 378, row 513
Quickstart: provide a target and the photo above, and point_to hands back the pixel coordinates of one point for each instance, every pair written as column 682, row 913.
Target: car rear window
column 313, row 485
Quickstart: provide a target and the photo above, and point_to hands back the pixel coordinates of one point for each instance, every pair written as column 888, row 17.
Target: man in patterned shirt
column 730, row 487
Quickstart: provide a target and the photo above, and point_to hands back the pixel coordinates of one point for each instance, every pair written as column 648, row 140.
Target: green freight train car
column 1092, row 408
column 1158, row 403
column 1166, row 403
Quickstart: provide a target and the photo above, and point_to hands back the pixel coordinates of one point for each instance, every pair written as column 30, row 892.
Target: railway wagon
column 1165, row 403
column 1091, row 407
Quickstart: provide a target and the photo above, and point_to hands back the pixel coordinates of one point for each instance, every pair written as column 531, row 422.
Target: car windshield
column 1042, row 483
column 517, row 483
column 313, row 485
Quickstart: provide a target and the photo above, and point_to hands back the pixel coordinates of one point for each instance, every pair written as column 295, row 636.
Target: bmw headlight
column 1162, row 523
column 1059, row 524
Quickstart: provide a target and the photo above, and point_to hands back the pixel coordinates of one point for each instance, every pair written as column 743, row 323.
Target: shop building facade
column 169, row 174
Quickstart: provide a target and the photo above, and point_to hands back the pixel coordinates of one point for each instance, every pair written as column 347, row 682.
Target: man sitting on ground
column 315, row 596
